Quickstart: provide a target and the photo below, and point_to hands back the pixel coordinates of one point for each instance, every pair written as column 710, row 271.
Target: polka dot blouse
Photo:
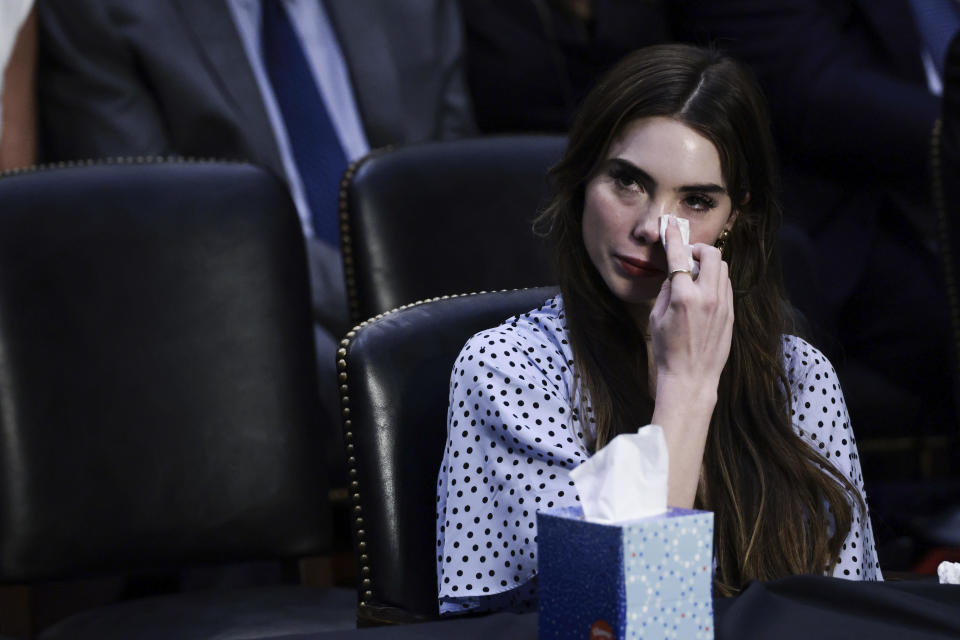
column 514, row 435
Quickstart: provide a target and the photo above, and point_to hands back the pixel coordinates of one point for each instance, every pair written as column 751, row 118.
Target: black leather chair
column 158, row 392
column 395, row 375
column 443, row 218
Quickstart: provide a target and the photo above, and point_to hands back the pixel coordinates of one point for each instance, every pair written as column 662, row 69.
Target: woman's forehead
column 668, row 150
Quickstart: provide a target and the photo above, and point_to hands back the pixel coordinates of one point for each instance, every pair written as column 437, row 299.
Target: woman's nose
column 647, row 224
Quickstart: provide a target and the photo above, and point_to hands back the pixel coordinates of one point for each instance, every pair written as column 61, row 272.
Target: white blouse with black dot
column 513, row 435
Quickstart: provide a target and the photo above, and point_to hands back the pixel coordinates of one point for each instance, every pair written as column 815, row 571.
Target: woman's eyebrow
column 701, row 188
column 634, row 171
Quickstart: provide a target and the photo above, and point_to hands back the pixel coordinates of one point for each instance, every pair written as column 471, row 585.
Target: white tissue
column 625, row 480
column 684, row 225
column 949, row 572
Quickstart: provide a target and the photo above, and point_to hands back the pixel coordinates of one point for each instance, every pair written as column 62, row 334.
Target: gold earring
column 721, row 242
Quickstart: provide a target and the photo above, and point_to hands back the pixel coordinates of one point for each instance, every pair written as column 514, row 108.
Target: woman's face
column 657, row 166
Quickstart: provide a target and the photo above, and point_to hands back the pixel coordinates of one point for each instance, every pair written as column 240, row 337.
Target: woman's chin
column 638, row 293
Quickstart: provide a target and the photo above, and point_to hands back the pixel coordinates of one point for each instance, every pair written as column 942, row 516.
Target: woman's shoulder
column 805, row 365
column 525, row 352
column 539, row 332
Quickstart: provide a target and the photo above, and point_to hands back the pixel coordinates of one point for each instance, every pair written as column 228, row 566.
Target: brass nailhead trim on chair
column 343, row 355
column 346, row 233
column 943, row 233
column 135, row 160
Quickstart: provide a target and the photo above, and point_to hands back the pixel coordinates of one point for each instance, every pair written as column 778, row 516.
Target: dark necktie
column 937, row 21
column 316, row 148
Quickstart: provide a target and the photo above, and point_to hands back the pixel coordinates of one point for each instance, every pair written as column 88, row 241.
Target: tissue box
column 649, row 578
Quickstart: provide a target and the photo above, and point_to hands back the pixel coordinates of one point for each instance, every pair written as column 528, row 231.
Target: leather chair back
column 158, row 389
column 395, row 377
column 443, row 218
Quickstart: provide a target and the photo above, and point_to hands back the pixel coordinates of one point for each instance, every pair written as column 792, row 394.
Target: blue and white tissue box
column 649, row 578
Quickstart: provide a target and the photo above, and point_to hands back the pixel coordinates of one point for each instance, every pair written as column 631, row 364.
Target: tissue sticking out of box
column 948, row 572
column 684, row 226
column 625, row 480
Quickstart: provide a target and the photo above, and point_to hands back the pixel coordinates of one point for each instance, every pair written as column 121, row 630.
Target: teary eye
column 624, row 181
column 699, row 202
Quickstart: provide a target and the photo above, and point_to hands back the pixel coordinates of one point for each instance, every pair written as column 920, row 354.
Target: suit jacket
column 162, row 77
column 121, row 77
column 850, row 108
column 530, row 64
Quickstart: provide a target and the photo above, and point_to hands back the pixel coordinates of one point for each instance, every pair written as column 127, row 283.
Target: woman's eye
column 699, row 202
column 624, row 182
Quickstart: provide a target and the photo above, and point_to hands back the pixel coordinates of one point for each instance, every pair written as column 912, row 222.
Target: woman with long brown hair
column 753, row 417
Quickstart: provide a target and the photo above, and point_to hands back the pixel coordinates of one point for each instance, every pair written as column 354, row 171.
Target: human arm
column 820, row 418
column 93, row 101
column 691, row 328
column 18, row 132
column 514, row 434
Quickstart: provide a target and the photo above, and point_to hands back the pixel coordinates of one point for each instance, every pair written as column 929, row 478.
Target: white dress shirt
column 329, row 68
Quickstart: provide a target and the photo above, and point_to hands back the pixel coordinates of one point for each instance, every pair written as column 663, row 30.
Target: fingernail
column 672, row 221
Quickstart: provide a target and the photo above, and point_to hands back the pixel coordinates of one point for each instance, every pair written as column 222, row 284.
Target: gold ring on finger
column 674, row 272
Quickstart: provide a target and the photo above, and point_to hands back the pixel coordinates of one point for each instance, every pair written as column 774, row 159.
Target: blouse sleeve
column 512, row 439
column 820, row 417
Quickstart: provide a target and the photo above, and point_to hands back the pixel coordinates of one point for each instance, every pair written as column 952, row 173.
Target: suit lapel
column 215, row 34
column 366, row 49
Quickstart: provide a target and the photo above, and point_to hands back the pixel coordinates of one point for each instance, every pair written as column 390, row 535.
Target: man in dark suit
column 194, row 78
column 171, row 76
column 853, row 110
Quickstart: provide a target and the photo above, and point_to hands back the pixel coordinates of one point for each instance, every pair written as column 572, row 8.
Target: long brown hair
column 771, row 493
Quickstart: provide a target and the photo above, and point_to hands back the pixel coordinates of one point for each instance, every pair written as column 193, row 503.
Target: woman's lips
column 636, row 267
